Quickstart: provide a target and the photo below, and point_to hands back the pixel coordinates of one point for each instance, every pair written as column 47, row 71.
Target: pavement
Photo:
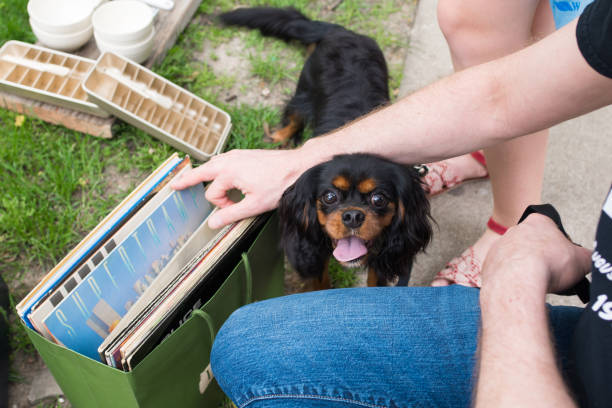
column 576, row 180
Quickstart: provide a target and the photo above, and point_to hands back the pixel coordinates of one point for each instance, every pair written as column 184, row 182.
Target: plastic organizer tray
column 46, row 75
column 157, row 106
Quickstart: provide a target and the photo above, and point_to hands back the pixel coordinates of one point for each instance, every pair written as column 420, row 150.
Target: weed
column 340, row 276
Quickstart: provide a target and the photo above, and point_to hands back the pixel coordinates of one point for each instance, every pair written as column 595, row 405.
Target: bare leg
column 516, row 168
column 479, row 31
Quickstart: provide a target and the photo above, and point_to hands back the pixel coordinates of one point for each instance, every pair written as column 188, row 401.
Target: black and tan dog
column 344, row 77
column 362, row 209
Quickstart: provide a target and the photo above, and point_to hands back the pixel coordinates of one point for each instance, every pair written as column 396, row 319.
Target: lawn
column 57, row 183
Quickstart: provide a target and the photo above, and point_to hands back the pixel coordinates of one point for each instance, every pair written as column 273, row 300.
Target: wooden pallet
column 168, row 26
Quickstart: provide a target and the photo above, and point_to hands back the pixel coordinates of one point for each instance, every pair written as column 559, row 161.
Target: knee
column 455, row 21
column 463, row 33
column 230, row 351
column 245, row 353
column 475, row 34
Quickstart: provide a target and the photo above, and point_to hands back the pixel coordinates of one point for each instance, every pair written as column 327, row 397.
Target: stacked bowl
column 126, row 28
column 62, row 24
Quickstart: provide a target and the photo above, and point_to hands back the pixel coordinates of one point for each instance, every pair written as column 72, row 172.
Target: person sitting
column 410, row 346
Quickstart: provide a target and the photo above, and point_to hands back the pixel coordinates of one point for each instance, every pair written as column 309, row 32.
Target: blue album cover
column 85, row 317
column 76, row 255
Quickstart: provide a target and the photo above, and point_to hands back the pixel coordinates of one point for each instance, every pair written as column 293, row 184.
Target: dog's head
column 365, row 210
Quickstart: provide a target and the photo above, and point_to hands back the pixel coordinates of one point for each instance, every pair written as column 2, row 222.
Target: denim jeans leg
column 360, row 347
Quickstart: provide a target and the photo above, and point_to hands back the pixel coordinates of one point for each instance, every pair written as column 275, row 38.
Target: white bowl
column 138, row 52
column 61, row 16
column 98, row 3
column 62, row 42
column 122, row 22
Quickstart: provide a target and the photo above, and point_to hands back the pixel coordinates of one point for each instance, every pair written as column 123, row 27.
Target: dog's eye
column 378, row 200
column 329, row 197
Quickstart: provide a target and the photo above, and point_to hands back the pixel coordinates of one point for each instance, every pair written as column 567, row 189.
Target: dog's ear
column 306, row 245
column 410, row 231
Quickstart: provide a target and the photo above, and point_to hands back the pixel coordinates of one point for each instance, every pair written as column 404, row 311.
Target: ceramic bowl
column 66, row 17
column 62, row 42
column 122, row 22
column 137, row 52
column 98, row 3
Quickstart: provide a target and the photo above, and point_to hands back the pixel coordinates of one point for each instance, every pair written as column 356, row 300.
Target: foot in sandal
column 444, row 175
column 465, row 269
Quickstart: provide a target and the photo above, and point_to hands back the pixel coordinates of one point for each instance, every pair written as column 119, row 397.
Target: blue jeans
column 360, row 347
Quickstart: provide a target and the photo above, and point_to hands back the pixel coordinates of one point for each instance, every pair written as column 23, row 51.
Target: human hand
column 261, row 175
column 535, row 253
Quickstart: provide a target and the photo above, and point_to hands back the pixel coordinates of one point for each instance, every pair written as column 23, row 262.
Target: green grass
column 54, row 185
column 14, row 23
column 58, row 183
column 341, row 277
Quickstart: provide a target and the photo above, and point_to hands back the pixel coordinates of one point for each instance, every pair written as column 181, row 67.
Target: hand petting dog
column 261, row 175
column 362, row 209
column 344, row 77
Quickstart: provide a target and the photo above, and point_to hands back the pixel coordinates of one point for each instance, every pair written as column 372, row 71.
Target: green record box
column 177, row 372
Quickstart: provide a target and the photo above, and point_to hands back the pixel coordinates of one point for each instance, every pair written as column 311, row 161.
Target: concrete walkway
column 578, row 167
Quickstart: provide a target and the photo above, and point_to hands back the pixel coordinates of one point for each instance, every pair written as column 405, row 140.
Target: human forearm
column 475, row 108
column 478, row 107
column 517, row 358
column 442, row 120
column 517, row 361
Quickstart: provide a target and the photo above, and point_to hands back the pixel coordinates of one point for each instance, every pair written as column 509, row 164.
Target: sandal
column 438, row 177
column 465, row 269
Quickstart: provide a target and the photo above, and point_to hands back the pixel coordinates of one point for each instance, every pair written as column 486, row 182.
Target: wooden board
column 79, row 121
column 168, row 26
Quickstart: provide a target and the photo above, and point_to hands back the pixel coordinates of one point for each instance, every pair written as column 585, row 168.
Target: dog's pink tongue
column 349, row 248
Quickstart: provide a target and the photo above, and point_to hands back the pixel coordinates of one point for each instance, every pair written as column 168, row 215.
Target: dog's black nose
column 353, row 218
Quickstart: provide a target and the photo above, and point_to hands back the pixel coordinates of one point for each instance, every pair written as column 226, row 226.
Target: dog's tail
column 285, row 23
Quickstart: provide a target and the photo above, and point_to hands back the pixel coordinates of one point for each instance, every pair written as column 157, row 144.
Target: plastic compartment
column 46, row 75
column 157, row 106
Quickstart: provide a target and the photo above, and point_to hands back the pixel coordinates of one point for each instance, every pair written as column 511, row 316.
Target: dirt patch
column 119, row 182
column 232, row 58
column 29, row 368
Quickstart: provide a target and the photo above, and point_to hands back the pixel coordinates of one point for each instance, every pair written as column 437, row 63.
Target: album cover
column 200, row 243
column 84, row 318
column 92, row 241
column 82, row 271
column 193, row 288
column 218, row 271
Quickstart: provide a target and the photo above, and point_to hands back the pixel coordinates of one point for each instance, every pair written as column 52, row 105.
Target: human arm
column 475, row 108
column 517, row 364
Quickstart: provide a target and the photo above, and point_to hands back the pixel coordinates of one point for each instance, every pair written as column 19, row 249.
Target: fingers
column 234, row 212
column 205, row 172
column 216, row 193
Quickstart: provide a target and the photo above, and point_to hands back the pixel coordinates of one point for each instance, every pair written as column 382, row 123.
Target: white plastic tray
column 157, row 106
column 46, row 75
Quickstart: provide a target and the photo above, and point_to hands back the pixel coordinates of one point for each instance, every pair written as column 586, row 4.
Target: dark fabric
column 4, row 346
column 594, row 35
column 592, row 345
column 581, row 288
